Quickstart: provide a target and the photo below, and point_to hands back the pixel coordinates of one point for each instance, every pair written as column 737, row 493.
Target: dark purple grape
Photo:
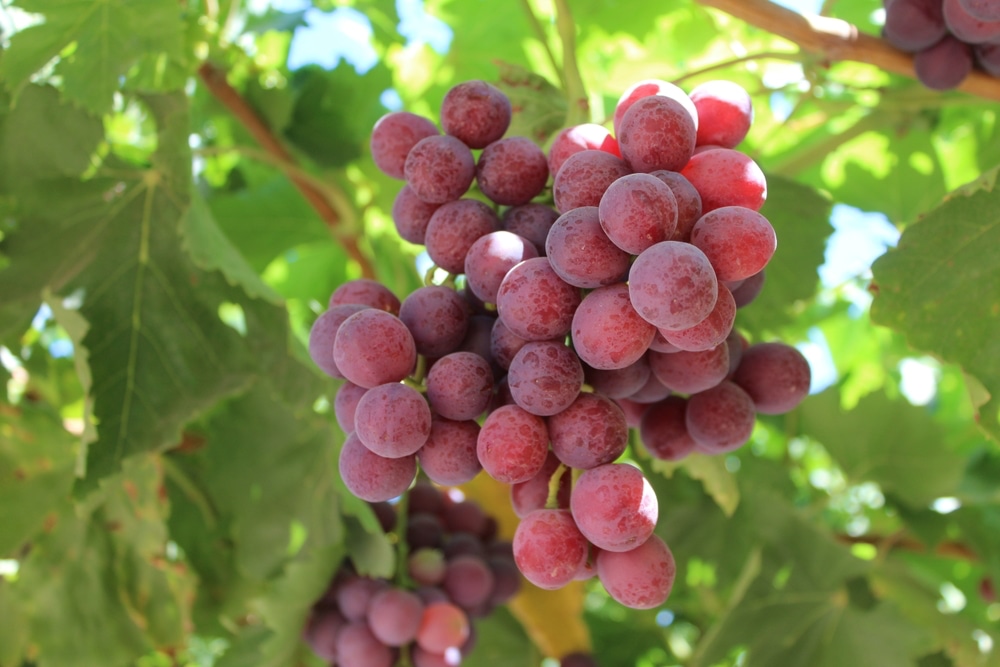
column 512, row 171
column 439, row 169
column 453, row 229
column 476, row 112
column 913, row 25
column 945, row 65
column 394, row 135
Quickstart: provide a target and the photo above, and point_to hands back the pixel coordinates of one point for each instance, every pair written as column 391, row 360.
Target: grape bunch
column 455, row 570
column 570, row 314
column 948, row 37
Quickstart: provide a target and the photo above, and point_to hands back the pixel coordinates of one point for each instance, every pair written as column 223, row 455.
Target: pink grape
column 372, row 477
column 688, row 202
column 720, row 419
column 618, row 382
column 652, row 392
column 394, row 616
column 656, row 133
column 392, row 138
column 614, row 506
column 549, row 549
column 454, row 228
column 637, row 211
column 584, row 177
column 365, row 292
column 346, row 403
column 410, row 215
column 468, row 581
column 988, row 57
column 663, row 430
column 354, row 595
column 393, row 420
column 580, row 251
column 490, row 258
column 476, row 112
column 439, row 169
column 449, row 455
column 373, row 348
column 572, row 140
column 775, row 375
column 532, row 494
column 913, row 25
column 512, row 444
column 460, row 385
column 646, row 88
column 545, row 377
column 691, row 372
column 438, row 319
column 321, row 633
column 358, row 647
column 641, row 578
column 711, row 331
column 591, row 432
column 749, row 289
column 633, row 410
column 535, row 303
column 323, row 334
column 504, row 344
column 607, row 331
column 984, row 10
column 442, row 626
column 512, row 171
column 531, row 222
column 725, row 113
column 945, row 65
column 726, row 177
column 672, row 285
column 738, row 242
column 966, row 26
column 426, row 566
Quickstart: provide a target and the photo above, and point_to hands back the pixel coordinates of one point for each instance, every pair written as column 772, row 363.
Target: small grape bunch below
column 455, row 570
column 589, row 291
column 949, row 38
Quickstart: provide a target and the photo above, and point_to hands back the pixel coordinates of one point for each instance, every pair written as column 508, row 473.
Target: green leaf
column 890, row 442
column 13, row 630
column 719, row 483
column 501, row 642
column 43, row 138
column 106, row 38
column 940, row 287
column 36, row 471
column 539, row 108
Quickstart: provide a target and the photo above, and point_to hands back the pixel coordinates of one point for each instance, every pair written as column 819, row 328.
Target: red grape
column 476, row 112
column 641, row 578
column 614, row 506
column 439, row 169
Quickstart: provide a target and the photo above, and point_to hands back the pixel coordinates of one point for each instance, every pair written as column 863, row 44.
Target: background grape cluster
column 948, row 37
column 565, row 317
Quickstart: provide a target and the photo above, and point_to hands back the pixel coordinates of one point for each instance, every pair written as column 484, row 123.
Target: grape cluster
column 562, row 325
column 455, row 570
column 948, row 37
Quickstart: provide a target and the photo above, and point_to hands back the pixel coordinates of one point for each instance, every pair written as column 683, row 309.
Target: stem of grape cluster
column 578, row 110
column 552, row 501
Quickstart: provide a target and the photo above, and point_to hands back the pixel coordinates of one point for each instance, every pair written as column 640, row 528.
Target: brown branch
column 834, row 39
column 216, row 83
column 955, row 550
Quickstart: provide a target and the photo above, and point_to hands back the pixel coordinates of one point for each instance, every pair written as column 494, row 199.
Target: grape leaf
column 501, row 642
column 13, row 630
column 890, row 442
column 538, row 107
column 36, row 470
column 719, row 483
column 940, row 287
column 107, row 37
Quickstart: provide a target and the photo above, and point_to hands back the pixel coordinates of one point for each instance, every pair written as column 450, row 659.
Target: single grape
column 633, row 410
column 652, row 392
column 372, row 477
column 614, row 506
column 592, row 431
column 439, row 169
column 442, row 626
column 531, row 222
column 460, row 385
column 358, row 647
column 646, row 88
column 584, row 177
column 466, row 517
column 454, row 227
column 438, row 319
column 512, row 171
column 663, row 430
column 425, row 498
column 489, row 260
column 988, row 57
column 535, row 303
column 720, row 419
column 449, row 455
column 656, row 133
column 323, row 334
column 410, row 215
column 738, row 242
column 966, row 26
column 661, row 344
column 607, row 330
column 476, row 112
column 393, row 420
column 468, row 581
column 424, row 531
column 688, row 202
column 394, row 616
column 572, row 140
column 580, row 252
column 775, row 375
column 365, row 292
column 725, row 113
column 641, row 578
column 672, row 285
column 477, row 340
column 374, row 347
column 393, row 135
column 637, row 211
column 711, row 331
column 506, row 579
column 618, row 382
column 504, row 344
column 464, row 544
column 691, row 372
column 426, row 566
column 726, row 177
column 545, row 377
column 354, row 595
column 945, row 65
column 512, row 444
column 385, row 512
column 749, row 289
column 321, row 632
column 549, row 548
column 913, row 25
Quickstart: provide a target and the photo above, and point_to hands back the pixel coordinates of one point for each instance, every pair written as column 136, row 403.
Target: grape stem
column 723, row 64
column 214, row 79
column 552, row 501
column 834, row 40
column 543, row 38
column 578, row 110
